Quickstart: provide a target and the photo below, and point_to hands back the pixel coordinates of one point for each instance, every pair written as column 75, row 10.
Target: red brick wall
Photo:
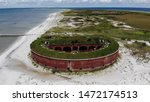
column 75, row 65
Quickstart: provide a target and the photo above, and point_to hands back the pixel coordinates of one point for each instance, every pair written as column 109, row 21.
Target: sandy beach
column 18, row 53
column 30, row 36
column 16, row 66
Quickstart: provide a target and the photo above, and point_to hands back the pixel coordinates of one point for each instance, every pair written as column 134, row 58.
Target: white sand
column 18, row 68
column 117, row 24
column 142, row 41
column 37, row 31
column 17, row 54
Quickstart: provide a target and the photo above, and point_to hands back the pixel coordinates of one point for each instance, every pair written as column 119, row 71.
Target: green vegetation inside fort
column 76, row 39
column 38, row 47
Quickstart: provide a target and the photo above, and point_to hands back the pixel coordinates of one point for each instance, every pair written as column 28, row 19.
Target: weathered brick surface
column 75, row 65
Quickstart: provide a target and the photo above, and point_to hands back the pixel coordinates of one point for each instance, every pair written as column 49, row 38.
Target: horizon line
column 61, row 7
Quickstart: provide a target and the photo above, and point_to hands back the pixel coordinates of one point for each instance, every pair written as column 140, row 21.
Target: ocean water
column 20, row 21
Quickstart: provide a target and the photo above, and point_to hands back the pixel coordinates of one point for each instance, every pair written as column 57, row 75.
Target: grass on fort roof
column 37, row 47
column 76, row 39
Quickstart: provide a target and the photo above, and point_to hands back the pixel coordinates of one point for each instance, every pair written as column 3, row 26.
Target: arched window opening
column 75, row 48
column 91, row 48
column 83, row 48
column 58, row 48
column 67, row 49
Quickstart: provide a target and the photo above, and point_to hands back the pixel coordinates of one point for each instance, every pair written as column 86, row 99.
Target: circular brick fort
column 74, row 53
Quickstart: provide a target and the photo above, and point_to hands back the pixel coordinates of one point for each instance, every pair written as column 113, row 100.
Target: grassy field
column 92, row 12
column 137, row 20
column 106, row 28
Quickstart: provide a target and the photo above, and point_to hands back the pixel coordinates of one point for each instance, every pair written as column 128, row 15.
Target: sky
column 75, row 3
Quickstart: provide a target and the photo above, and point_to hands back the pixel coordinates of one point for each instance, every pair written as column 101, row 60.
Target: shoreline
column 18, row 68
column 36, row 31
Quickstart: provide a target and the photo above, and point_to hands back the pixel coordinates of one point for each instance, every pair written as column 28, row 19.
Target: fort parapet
column 75, row 53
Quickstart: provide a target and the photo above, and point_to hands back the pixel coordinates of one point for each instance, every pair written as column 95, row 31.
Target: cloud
column 81, row 1
column 78, row 1
column 134, row 1
column 3, row 1
column 141, row 1
column 100, row 1
column 56, row 3
column 107, row 1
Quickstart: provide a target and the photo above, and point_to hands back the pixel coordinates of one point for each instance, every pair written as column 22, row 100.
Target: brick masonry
column 75, row 64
